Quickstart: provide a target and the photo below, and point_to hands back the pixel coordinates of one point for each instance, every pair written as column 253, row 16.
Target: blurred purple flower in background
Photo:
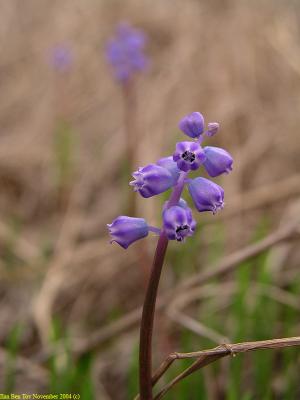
column 125, row 52
column 62, row 58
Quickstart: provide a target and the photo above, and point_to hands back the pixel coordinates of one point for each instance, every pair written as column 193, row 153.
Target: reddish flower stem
column 148, row 318
column 146, row 329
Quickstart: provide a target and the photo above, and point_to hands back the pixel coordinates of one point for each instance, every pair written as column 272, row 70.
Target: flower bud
column 151, row 180
column 207, row 195
column 192, row 124
column 218, row 161
column 188, row 155
column 178, row 223
column 212, row 128
column 170, row 165
column 126, row 230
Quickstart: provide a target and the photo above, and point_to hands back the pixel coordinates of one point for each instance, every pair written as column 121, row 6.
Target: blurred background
column 68, row 299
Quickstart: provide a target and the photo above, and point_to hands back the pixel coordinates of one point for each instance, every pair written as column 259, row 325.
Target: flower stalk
column 130, row 117
column 146, row 330
column 147, row 321
column 177, row 219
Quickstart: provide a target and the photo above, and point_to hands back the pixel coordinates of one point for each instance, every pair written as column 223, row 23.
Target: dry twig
column 174, row 311
column 206, row 357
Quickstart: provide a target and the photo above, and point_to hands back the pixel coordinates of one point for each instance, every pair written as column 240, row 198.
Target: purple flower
column 170, row 165
column 207, row 195
column 125, row 52
column 188, row 155
column 151, row 180
column 178, row 223
column 126, row 230
column 192, row 124
column 218, row 161
column 62, row 58
column 212, row 128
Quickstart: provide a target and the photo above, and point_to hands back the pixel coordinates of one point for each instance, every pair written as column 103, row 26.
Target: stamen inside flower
column 188, row 156
column 181, row 232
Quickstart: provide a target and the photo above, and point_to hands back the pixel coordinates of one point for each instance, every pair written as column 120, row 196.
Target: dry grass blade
column 261, row 197
column 206, row 357
column 24, row 364
column 174, row 310
column 227, row 264
column 197, row 327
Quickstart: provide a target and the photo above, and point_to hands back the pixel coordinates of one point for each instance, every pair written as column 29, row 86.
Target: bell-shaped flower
column 207, row 195
column 178, row 223
column 151, row 180
column 192, row 124
column 218, row 161
column 170, row 165
column 188, row 155
column 126, row 230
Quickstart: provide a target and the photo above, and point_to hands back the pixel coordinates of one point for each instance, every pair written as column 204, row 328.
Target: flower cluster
column 125, row 52
column 172, row 172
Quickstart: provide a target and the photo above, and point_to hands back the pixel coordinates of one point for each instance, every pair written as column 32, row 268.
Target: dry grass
column 238, row 62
